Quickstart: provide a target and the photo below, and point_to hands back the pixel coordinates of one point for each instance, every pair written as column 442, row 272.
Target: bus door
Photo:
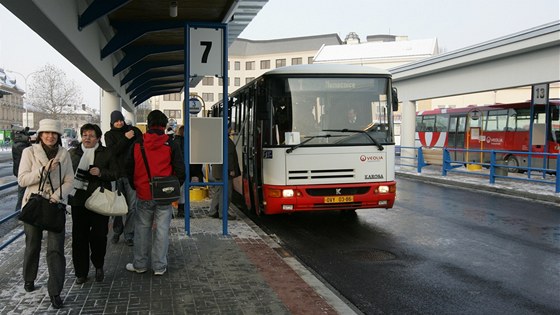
column 456, row 137
column 252, row 154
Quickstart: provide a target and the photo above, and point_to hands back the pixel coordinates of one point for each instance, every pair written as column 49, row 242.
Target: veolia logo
column 371, row 158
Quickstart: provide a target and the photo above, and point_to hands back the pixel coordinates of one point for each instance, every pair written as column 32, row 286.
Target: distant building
column 11, row 102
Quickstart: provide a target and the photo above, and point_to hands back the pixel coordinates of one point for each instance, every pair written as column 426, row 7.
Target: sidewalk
column 243, row 273
column 476, row 181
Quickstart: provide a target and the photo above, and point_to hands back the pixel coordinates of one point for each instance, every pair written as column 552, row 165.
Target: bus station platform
column 245, row 272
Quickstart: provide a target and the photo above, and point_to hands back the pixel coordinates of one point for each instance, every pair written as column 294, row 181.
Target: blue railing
column 9, row 217
column 496, row 166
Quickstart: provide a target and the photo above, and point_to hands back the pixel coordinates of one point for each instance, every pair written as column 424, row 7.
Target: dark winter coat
column 195, row 170
column 164, row 158
column 121, row 146
column 104, row 161
column 17, row 150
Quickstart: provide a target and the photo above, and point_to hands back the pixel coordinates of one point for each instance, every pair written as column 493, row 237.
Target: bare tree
column 52, row 92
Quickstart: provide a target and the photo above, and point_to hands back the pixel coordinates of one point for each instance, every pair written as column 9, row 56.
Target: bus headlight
column 287, row 193
column 383, row 189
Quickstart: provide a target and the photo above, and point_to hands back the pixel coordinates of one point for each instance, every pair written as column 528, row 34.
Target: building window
column 280, row 63
column 172, row 97
column 208, row 81
column 208, row 97
column 237, row 65
column 247, row 80
column 250, row 65
column 175, row 114
column 265, row 64
column 220, row 96
column 237, row 82
column 309, row 60
column 296, row 61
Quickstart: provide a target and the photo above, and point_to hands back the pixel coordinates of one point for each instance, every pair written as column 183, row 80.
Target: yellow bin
column 198, row 193
column 474, row 167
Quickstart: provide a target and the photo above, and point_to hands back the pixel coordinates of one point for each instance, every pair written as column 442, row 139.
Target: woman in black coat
column 93, row 166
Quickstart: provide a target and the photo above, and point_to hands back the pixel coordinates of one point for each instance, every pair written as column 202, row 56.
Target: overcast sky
column 456, row 24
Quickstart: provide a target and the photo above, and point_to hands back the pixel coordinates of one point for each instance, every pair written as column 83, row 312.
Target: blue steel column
column 225, row 173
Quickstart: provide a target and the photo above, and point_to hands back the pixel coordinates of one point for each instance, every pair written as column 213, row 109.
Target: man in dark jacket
column 119, row 140
column 21, row 141
column 164, row 158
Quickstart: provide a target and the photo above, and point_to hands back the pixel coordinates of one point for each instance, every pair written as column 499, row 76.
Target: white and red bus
column 494, row 127
column 315, row 137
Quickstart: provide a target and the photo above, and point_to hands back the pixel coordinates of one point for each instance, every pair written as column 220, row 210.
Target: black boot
column 29, row 286
column 56, row 301
column 181, row 210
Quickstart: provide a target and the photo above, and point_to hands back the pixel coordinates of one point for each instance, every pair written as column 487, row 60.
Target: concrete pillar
column 408, row 127
column 109, row 103
column 129, row 116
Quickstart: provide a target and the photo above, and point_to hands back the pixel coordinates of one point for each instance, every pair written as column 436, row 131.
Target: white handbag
column 107, row 202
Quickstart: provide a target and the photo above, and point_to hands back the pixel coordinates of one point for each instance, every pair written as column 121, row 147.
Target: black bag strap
column 50, row 181
column 145, row 160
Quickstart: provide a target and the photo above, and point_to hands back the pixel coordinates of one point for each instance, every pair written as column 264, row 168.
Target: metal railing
column 8, row 218
column 497, row 167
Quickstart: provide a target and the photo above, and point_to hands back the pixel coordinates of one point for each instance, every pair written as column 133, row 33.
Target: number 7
column 206, row 50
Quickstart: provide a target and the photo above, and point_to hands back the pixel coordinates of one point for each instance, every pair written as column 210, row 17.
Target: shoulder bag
column 106, row 202
column 40, row 212
column 166, row 189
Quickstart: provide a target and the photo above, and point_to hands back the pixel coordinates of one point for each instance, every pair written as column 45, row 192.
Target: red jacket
column 164, row 159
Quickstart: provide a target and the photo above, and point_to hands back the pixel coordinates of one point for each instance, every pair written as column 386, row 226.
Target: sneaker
column 129, row 242
column 130, row 267
column 160, row 272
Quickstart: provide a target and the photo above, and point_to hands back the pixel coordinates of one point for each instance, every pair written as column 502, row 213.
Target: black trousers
column 89, row 232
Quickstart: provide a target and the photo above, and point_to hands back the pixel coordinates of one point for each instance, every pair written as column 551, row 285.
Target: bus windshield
column 342, row 108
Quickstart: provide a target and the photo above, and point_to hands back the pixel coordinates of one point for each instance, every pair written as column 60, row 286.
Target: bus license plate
column 338, row 199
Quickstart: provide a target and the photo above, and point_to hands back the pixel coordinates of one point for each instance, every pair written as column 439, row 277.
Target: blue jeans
column 128, row 226
column 149, row 214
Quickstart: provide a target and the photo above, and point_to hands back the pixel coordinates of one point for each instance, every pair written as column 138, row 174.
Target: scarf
column 50, row 151
column 82, row 172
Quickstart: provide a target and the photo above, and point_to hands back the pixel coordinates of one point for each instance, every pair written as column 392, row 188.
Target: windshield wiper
column 377, row 144
column 306, row 140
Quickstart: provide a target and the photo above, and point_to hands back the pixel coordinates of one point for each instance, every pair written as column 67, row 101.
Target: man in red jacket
column 164, row 158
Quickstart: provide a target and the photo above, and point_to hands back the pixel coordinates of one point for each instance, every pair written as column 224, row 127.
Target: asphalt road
column 440, row 250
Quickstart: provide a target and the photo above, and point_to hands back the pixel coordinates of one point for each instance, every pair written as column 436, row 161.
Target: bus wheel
column 511, row 160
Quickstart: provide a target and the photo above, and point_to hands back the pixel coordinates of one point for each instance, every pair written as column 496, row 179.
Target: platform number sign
column 206, row 52
column 540, row 94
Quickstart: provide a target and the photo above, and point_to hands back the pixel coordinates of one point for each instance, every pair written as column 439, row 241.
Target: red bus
column 506, row 127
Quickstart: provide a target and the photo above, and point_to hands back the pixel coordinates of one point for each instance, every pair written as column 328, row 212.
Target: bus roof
column 328, row 69
column 482, row 107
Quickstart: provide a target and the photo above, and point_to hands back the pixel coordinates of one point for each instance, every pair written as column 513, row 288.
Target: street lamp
column 25, row 77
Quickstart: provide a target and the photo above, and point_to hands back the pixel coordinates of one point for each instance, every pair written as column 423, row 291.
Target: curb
column 321, row 287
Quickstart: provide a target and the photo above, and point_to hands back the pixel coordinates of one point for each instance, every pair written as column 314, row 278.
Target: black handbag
column 166, row 189
column 40, row 212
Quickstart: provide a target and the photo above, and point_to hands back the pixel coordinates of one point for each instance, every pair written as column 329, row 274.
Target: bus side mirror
column 395, row 99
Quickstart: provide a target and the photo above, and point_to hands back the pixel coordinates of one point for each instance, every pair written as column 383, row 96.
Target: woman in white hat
column 46, row 153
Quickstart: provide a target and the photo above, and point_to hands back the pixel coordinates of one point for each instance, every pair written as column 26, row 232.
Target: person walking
column 38, row 159
column 19, row 143
column 119, row 140
column 216, row 204
column 93, row 166
column 164, row 158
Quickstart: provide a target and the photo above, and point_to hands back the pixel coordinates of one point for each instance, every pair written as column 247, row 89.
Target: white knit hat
column 50, row 125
